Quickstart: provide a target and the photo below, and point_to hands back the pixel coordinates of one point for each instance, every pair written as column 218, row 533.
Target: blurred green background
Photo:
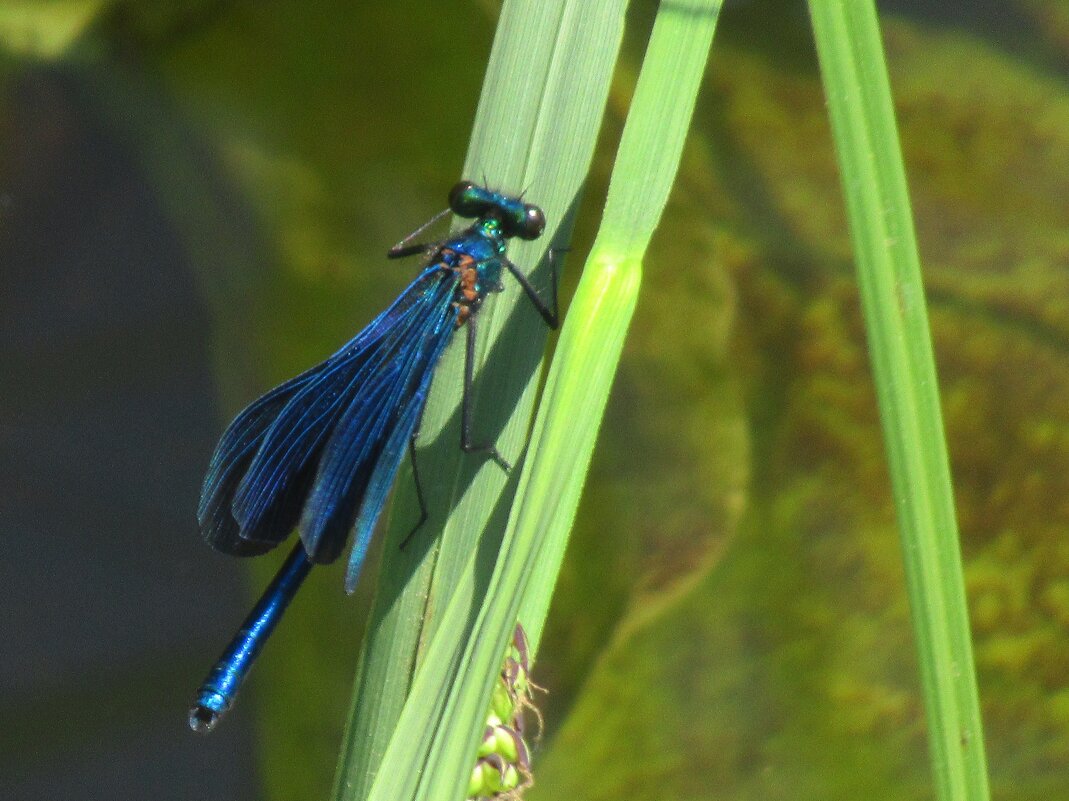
column 195, row 203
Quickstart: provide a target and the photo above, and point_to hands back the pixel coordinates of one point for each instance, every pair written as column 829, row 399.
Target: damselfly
column 320, row 452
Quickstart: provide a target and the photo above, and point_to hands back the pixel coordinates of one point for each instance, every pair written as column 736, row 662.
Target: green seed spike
column 502, row 769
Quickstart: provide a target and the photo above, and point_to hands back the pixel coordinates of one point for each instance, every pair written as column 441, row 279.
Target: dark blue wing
column 235, row 450
column 360, row 457
column 266, row 463
column 378, row 487
column 269, row 497
column 359, row 442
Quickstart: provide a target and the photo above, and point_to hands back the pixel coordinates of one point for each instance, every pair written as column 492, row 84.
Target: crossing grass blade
column 539, row 116
column 431, row 753
column 591, row 341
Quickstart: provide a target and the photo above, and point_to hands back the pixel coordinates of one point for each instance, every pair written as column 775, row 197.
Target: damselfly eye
column 465, row 199
column 534, row 223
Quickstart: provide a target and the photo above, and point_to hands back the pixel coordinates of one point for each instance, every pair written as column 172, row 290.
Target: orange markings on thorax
column 467, row 295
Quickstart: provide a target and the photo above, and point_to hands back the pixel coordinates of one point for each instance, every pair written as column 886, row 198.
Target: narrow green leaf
column 536, row 127
column 589, row 349
column 892, row 295
column 446, row 708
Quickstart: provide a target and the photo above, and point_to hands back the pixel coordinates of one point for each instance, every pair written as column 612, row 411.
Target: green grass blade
column 892, row 295
column 576, row 391
column 431, row 754
column 538, row 120
column 573, row 402
column 589, row 350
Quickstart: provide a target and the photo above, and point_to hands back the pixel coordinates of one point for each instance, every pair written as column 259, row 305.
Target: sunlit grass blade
column 587, row 355
column 537, row 124
column 892, row 295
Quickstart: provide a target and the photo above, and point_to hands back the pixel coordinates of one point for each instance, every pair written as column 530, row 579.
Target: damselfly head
column 517, row 218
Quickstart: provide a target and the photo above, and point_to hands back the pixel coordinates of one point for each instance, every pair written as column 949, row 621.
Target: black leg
column 419, row 486
column 549, row 315
column 466, row 444
column 406, row 247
